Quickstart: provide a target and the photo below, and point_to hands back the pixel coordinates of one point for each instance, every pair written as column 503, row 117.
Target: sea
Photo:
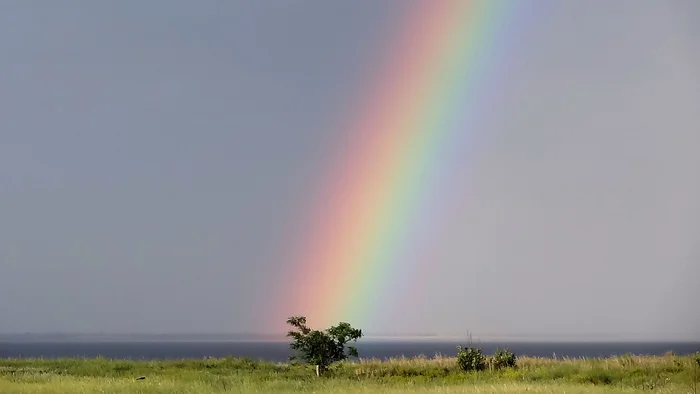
column 279, row 351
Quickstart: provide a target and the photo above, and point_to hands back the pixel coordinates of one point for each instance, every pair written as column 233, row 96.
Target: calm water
column 279, row 351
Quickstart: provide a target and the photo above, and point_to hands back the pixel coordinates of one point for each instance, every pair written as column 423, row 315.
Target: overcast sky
column 155, row 158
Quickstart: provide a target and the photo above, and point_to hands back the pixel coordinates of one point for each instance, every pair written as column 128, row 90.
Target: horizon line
column 546, row 337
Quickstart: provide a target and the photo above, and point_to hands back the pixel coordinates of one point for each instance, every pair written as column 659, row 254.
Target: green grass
column 625, row 374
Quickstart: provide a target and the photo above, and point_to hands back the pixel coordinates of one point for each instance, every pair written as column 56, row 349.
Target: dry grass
column 72, row 385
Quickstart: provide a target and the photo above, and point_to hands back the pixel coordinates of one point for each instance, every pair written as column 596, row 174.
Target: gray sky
column 156, row 157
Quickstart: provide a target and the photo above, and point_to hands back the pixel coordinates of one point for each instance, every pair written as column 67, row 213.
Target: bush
column 503, row 358
column 470, row 359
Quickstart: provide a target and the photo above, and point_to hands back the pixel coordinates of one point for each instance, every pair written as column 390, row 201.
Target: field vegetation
column 623, row 374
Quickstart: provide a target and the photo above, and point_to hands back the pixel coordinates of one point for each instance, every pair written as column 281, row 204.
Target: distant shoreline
column 368, row 338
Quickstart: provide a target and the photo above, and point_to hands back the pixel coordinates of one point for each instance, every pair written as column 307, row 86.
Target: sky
column 156, row 159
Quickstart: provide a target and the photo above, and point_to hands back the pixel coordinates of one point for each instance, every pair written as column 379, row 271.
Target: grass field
column 624, row 374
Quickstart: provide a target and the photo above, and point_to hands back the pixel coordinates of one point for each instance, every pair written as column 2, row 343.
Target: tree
column 322, row 348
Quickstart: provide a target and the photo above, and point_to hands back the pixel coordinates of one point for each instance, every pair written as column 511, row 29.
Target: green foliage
column 503, row 358
column 322, row 348
column 470, row 359
column 597, row 376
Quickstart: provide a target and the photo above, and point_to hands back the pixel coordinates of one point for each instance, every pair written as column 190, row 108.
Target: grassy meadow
column 624, row 374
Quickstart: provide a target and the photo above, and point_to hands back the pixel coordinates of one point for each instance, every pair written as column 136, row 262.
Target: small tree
column 322, row 348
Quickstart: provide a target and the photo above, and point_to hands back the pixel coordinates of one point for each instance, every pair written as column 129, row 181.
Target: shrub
column 503, row 358
column 470, row 359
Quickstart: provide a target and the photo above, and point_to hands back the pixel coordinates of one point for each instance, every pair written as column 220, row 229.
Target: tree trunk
column 318, row 370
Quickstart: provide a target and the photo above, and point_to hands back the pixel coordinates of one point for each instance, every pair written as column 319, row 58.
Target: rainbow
column 394, row 156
